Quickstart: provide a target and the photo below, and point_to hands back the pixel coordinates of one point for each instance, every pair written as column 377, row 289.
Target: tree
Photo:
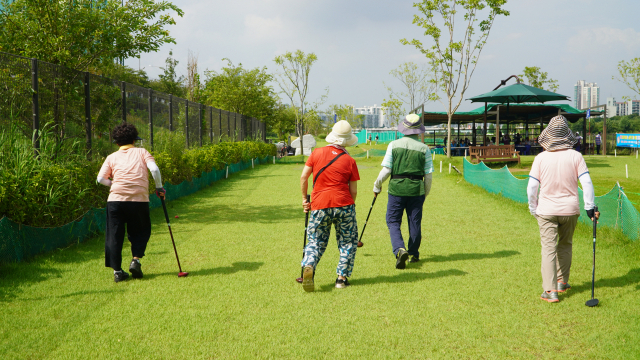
column 346, row 112
column 169, row 82
column 629, row 73
column 418, row 89
column 119, row 72
column 193, row 85
column 294, row 83
column 393, row 111
column 243, row 91
column 539, row 79
column 283, row 120
column 83, row 34
column 454, row 59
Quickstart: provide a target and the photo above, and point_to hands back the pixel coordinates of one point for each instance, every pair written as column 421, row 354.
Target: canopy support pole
column 473, row 132
column 484, row 131
column 498, row 132
column 458, row 133
column 604, row 131
column 584, row 137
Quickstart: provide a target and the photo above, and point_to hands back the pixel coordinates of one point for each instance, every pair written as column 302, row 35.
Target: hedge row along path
column 474, row 295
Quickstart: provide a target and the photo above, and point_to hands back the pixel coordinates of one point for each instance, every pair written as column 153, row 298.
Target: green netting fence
column 20, row 242
column 384, row 137
column 616, row 211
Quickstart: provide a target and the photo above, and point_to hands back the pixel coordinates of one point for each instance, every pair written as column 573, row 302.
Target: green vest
column 408, row 159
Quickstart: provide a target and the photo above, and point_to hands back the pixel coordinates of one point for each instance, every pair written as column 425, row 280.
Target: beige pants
column 556, row 239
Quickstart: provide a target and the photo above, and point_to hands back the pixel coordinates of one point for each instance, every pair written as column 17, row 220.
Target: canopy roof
column 532, row 113
column 518, row 93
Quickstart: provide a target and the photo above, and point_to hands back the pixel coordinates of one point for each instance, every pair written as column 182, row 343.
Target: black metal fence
column 80, row 106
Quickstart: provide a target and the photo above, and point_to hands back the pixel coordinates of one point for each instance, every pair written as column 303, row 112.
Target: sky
column 358, row 43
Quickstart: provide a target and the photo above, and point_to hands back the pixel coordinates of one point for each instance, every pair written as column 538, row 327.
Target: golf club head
column 592, row 302
column 183, row 274
column 299, row 280
column 360, row 244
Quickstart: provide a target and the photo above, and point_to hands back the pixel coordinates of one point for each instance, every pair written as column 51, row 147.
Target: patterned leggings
column 344, row 219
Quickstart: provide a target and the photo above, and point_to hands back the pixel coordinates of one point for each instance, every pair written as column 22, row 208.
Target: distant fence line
column 80, row 106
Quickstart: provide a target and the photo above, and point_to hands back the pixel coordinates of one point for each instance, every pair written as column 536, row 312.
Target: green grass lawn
column 474, row 295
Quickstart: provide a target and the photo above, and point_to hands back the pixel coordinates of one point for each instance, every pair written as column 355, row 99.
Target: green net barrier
column 299, row 159
column 372, row 153
column 616, row 211
column 20, row 242
column 384, row 137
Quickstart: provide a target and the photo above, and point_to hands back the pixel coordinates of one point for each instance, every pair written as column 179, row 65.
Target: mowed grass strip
column 474, row 295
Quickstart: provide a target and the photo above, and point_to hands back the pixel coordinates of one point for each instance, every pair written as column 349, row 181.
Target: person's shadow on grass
column 630, row 278
column 463, row 257
column 227, row 270
column 222, row 270
column 403, row 277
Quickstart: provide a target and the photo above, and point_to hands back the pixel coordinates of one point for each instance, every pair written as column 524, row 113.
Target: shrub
column 322, row 136
column 59, row 186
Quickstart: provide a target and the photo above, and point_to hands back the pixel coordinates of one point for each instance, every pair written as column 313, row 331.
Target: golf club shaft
column 166, row 216
column 366, row 221
column 306, row 225
column 593, row 272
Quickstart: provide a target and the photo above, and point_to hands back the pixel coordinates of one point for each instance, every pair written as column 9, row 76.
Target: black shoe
column 120, row 276
column 341, row 284
column 414, row 259
column 136, row 269
column 401, row 258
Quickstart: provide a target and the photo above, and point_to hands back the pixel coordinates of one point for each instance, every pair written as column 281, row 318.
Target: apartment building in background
column 374, row 116
column 622, row 108
column 585, row 95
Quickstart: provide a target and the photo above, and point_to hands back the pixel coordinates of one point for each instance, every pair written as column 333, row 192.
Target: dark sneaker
column 550, row 296
column 136, row 269
column 120, row 276
column 307, row 278
column 401, row 258
column 414, row 259
column 563, row 287
column 341, row 284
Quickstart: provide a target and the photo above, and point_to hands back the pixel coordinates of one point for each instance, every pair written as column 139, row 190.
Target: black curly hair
column 125, row 134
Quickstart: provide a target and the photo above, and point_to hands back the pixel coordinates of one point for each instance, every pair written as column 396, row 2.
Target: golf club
column 360, row 243
column 304, row 243
column 166, row 216
column 593, row 302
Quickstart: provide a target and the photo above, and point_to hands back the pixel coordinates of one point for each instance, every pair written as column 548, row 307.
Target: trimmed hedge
column 48, row 195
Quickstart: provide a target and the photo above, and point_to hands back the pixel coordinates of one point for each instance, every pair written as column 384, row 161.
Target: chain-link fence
column 84, row 107
column 616, row 210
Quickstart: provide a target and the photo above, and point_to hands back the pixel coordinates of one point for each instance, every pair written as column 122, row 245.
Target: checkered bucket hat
column 557, row 136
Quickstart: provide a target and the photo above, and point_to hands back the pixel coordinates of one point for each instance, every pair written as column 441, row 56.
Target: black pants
column 136, row 217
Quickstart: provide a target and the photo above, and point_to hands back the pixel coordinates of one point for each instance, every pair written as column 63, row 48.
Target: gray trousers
column 556, row 240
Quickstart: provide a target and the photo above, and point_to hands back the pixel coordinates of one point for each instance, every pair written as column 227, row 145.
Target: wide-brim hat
column 342, row 134
column 557, row 136
column 411, row 125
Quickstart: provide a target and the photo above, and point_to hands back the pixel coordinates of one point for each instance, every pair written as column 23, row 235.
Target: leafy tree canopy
column 539, row 79
column 629, row 74
column 243, row 91
column 82, row 34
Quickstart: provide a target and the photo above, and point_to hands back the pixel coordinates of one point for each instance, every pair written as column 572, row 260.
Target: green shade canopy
column 518, row 93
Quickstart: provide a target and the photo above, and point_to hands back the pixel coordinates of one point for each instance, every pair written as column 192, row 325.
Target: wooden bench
column 495, row 153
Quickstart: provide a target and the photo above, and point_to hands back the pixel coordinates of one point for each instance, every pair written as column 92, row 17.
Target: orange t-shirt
column 128, row 169
column 332, row 187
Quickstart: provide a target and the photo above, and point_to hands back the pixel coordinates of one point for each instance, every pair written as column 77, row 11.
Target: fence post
column 210, row 124
column 87, row 112
column 170, row 112
column 186, row 123
column 123, row 88
column 35, row 106
column 150, row 119
column 219, row 124
column 200, row 123
column 228, row 126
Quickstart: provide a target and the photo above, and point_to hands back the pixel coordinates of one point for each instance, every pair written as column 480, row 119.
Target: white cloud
column 604, row 38
column 260, row 29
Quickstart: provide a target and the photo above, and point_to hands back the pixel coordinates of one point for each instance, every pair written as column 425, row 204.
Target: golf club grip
column 164, row 207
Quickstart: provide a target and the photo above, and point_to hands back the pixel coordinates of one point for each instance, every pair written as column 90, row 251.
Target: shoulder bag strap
column 326, row 166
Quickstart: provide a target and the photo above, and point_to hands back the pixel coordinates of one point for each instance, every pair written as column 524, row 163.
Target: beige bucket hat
column 342, row 134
